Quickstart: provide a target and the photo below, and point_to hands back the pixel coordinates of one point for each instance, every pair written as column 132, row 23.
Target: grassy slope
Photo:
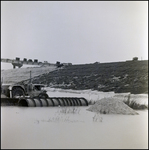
column 129, row 76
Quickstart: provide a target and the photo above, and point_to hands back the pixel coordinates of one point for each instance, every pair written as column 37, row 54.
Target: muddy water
column 69, row 127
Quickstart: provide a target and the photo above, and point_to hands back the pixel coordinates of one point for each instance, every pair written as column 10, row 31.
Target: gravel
column 111, row 106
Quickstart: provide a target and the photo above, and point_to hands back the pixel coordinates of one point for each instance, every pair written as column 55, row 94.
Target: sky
column 77, row 32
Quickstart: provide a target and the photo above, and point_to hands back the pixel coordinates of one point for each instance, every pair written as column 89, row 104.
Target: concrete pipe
column 44, row 102
column 77, row 101
column 56, row 102
column 23, row 102
column 74, row 101
column 62, row 102
column 50, row 102
column 67, row 102
column 38, row 102
column 70, row 102
column 26, row 103
column 31, row 102
column 84, row 102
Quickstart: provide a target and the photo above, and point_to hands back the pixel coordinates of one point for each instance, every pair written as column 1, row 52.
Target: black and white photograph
column 74, row 74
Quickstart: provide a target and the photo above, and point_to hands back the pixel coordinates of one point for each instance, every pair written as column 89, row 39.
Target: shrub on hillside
column 134, row 105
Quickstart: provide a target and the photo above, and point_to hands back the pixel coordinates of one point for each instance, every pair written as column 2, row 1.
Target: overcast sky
column 78, row 32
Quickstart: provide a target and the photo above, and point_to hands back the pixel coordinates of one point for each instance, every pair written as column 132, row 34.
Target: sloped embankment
column 120, row 77
column 111, row 106
column 21, row 74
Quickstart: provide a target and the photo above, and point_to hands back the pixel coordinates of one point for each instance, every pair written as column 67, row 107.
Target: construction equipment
column 18, row 95
column 35, row 95
column 27, row 90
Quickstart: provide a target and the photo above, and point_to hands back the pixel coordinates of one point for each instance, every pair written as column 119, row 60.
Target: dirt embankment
column 120, row 77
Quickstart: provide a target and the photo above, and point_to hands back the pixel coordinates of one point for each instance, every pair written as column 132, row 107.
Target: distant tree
column 135, row 59
column 96, row 62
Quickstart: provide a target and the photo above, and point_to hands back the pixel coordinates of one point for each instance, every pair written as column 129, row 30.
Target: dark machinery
column 35, row 95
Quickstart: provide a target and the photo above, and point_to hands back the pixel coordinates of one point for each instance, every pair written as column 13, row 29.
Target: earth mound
column 111, row 106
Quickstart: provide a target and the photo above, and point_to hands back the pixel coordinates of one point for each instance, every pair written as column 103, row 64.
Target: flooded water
column 71, row 127
column 51, row 127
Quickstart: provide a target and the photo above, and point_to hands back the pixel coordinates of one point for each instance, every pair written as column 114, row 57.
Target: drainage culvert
column 53, row 101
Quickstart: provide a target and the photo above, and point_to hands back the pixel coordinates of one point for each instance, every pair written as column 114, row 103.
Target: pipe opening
column 23, row 103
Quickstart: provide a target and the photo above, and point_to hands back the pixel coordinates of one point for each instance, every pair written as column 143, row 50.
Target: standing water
column 71, row 127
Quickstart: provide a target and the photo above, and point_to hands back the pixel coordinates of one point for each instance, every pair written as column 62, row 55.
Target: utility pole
column 1, row 84
column 30, row 76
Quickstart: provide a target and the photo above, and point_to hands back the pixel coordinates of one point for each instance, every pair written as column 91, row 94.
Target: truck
column 23, row 90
